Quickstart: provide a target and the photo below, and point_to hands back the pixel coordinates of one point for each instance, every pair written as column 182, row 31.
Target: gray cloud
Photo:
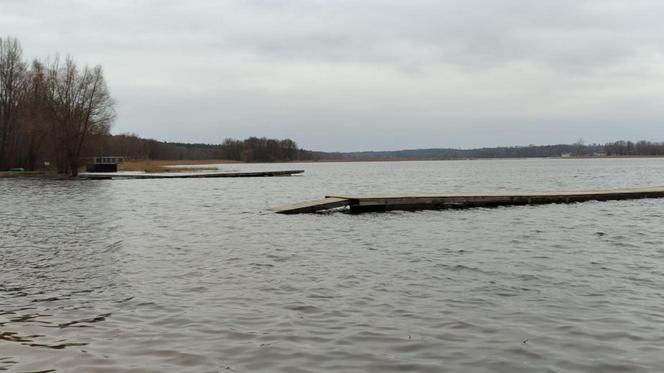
column 345, row 75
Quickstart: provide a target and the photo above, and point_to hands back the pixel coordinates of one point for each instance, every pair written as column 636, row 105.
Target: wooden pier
column 367, row 203
column 183, row 175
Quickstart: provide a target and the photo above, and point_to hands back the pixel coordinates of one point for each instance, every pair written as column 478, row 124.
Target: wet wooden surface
column 430, row 201
column 312, row 206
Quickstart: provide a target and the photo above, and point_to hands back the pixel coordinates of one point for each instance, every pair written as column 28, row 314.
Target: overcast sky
column 365, row 74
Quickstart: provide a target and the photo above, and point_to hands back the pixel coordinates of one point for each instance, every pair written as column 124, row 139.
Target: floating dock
column 183, row 175
column 372, row 203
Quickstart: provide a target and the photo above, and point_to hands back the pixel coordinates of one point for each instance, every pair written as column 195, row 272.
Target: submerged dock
column 184, row 175
column 372, row 203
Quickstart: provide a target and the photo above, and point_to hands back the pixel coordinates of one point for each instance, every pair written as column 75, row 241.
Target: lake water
column 196, row 275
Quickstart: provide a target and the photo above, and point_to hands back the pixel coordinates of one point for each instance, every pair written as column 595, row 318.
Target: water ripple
column 197, row 276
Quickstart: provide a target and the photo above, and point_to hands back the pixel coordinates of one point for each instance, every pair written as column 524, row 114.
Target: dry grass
column 20, row 174
column 163, row 166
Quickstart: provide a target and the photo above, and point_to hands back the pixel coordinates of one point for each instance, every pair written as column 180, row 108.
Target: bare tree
column 79, row 105
column 34, row 128
column 12, row 82
column 579, row 146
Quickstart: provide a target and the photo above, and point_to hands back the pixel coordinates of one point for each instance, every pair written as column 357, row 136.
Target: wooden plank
column 465, row 200
column 504, row 194
column 362, row 203
column 312, row 206
column 178, row 175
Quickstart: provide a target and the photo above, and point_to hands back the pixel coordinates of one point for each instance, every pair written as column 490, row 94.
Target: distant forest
column 578, row 149
column 256, row 149
column 253, row 149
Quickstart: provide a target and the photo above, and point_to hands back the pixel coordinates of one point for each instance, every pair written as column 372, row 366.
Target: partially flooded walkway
column 367, row 203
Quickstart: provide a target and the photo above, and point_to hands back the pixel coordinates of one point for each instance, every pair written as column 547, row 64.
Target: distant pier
column 372, row 203
column 184, row 175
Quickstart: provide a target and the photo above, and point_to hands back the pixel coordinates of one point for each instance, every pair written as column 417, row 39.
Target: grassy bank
column 20, row 173
column 164, row 165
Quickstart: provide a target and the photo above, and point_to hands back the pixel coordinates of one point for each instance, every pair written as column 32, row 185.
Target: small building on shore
column 104, row 163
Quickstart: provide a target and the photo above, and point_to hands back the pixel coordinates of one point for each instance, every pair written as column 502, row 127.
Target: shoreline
column 464, row 159
column 175, row 166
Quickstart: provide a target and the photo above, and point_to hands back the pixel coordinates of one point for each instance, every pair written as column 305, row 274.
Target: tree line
column 50, row 110
column 578, row 149
column 253, row 149
column 626, row 148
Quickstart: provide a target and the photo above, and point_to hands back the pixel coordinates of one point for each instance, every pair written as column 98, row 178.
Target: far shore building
column 104, row 163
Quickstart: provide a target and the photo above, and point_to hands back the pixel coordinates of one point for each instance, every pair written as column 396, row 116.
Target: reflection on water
column 196, row 275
